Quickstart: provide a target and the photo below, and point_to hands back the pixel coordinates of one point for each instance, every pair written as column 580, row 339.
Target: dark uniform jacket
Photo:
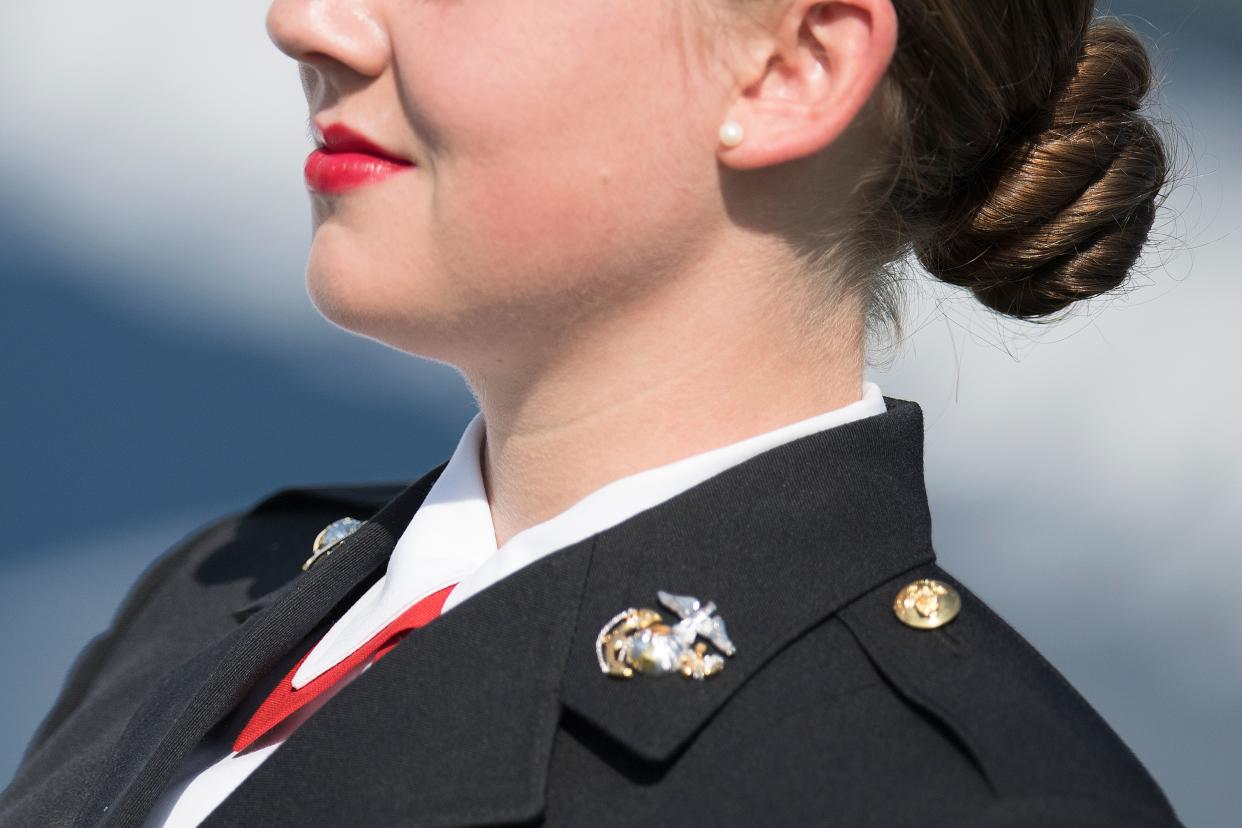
column 831, row 712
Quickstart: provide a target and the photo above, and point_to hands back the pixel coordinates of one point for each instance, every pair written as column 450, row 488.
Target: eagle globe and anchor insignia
column 328, row 538
column 638, row 640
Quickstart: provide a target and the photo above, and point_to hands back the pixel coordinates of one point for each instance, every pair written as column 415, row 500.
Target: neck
column 676, row 374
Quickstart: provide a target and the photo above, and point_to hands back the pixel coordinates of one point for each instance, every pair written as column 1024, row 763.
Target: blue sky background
column 162, row 364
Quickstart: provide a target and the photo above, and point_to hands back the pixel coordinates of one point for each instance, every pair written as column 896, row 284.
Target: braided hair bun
column 1065, row 207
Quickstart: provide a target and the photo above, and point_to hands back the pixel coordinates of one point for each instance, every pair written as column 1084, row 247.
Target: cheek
column 552, row 185
column 554, row 228
column 566, row 184
column 533, row 228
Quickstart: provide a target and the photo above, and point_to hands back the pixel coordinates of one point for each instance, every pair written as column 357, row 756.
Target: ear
column 811, row 75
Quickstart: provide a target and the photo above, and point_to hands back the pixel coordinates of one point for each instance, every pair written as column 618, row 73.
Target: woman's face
column 565, row 162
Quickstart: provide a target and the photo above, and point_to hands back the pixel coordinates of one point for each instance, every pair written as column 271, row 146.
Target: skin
column 618, row 288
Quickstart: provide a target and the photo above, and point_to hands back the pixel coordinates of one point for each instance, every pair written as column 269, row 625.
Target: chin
column 347, row 290
column 335, row 287
column 361, row 301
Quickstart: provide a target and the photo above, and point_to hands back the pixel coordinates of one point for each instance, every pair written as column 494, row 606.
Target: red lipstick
column 345, row 160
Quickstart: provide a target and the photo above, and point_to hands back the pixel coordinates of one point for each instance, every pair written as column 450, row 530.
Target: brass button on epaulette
column 927, row 604
column 330, row 536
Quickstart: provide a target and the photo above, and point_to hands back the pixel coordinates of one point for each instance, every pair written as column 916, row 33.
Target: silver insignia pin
column 329, row 537
column 638, row 640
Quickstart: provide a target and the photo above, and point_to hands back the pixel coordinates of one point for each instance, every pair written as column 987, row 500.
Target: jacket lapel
column 456, row 725
column 189, row 700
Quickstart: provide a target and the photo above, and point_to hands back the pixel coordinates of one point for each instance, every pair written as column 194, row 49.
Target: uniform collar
column 779, row 543
column 451, row 538
column 457, row 724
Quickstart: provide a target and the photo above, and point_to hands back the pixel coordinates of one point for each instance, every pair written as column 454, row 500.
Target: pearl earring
column 731, row 133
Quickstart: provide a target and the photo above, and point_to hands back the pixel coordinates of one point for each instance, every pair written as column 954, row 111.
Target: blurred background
column 162, row 365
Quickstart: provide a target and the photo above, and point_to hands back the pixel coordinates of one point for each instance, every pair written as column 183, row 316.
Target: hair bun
column 1064, row 206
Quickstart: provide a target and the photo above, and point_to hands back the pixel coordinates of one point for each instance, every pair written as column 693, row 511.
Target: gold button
column 329, row 537
column 927, row 604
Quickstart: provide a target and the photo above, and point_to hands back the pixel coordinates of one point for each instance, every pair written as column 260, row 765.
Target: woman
column 679, row 567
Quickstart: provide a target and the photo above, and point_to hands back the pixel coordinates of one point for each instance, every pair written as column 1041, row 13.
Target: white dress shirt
column 450, row 540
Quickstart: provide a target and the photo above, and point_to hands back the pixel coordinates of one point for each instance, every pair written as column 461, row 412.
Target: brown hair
column 1026, row 172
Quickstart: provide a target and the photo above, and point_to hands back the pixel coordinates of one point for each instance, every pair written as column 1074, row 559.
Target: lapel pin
column 638, row 640
column 329, row 537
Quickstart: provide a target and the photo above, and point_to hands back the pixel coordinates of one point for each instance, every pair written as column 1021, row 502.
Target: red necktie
column 284, row 700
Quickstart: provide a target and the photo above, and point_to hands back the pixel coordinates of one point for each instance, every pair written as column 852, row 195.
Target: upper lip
column 337, row 137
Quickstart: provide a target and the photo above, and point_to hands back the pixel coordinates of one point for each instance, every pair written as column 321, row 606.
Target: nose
column 349, row 32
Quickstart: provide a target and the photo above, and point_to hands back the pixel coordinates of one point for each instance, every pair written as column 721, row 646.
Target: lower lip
column 339, row 172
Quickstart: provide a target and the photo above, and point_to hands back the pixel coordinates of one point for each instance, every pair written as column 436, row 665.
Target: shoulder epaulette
column 1026, row 728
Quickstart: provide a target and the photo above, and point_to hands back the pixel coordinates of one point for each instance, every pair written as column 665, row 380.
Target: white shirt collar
column 451, row 538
